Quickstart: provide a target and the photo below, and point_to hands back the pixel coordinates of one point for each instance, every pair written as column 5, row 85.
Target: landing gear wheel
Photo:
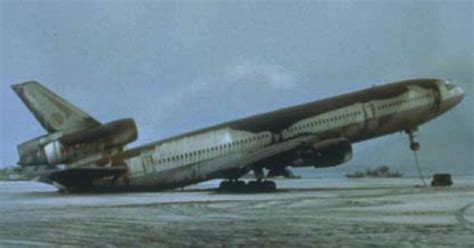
column 414, row 146
column 268, row 186
column 232, row 186
column 238, row 186
column 261, row 186
column 250, row 187
column 225, row 186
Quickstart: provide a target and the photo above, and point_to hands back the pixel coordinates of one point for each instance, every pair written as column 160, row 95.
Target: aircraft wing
column 271, row 151
column 243, row 161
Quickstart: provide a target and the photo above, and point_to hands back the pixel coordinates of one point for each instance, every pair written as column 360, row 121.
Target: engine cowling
column 58, row 148
column 327, row 153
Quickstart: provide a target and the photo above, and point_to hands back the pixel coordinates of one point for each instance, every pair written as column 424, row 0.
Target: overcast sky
column 175, row 66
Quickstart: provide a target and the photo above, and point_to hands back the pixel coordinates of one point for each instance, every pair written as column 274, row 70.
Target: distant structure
column 381, row 171
column 7, row 173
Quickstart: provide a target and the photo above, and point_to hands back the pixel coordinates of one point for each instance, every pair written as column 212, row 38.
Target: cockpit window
column 450, row 86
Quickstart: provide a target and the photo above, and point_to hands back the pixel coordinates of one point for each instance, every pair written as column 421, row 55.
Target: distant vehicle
column 83, row 154
column 441, row 180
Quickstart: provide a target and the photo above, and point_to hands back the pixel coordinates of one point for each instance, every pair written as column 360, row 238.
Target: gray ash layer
column 303, row 213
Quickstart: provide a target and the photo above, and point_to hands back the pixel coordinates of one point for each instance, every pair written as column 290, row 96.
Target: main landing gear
column 260, row 185
column 250, row 187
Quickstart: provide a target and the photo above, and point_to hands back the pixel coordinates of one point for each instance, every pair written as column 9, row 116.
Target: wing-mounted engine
column 58, row 148
column 326, row 153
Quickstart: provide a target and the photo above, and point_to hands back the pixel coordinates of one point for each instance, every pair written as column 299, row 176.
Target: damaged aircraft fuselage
column 84, row 154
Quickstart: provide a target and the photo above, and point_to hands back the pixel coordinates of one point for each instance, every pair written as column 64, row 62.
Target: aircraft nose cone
column 453, row 97
column 459, row 95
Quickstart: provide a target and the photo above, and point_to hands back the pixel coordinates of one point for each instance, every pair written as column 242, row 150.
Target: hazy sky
column 175, row 66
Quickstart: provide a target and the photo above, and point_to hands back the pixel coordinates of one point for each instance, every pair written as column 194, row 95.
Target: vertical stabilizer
column 52, row 112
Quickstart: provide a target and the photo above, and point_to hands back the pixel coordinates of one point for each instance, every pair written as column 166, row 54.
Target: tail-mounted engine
column 58, row 148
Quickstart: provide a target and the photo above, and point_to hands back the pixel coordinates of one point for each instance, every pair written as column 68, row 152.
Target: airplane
column 82, row 154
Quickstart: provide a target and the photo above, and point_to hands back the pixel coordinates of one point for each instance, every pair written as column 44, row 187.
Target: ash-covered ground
column 303, row 213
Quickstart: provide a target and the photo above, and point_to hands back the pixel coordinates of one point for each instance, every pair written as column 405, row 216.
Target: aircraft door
column 437, row 101
column 371, row 122
column 368, row 110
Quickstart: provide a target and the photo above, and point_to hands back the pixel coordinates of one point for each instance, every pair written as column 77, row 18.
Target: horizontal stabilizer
column 77, row 177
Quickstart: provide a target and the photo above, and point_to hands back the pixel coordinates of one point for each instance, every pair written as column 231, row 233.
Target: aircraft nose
column 458, row 95
column 452, row 98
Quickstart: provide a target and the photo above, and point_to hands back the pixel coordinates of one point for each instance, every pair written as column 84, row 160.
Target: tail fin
column 52, row 112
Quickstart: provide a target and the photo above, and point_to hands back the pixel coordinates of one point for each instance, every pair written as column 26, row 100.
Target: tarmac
column 324, row 212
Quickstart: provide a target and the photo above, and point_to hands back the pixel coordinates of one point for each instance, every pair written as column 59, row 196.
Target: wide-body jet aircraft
column 82, row 154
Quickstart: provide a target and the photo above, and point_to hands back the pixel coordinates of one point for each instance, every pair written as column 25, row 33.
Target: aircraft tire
column 239, row 186
column 225, row 186
column 253, row 186
column 268, row 186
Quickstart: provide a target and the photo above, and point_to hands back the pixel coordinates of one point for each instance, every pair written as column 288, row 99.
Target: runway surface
column 303, row 213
